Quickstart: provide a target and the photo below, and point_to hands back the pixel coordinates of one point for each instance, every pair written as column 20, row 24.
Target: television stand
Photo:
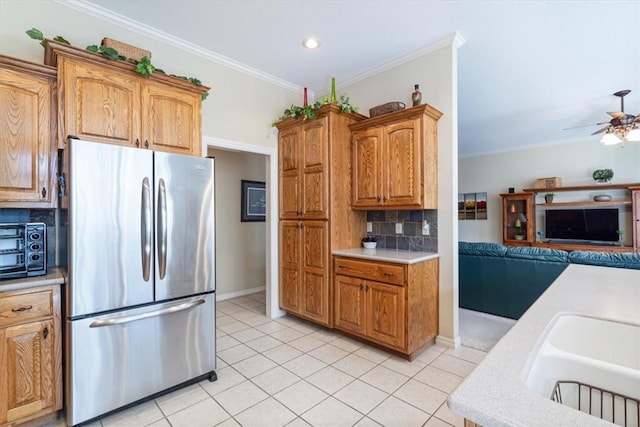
column 586, row 246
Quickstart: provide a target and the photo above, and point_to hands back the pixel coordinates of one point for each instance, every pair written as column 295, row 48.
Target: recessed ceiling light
column 311, row 43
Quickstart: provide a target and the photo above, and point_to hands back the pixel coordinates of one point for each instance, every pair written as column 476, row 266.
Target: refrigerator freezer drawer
column 117, row 359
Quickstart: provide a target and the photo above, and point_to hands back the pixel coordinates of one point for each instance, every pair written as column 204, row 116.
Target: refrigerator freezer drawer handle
column 146, row 229
column 162, row 228
column 128, row 319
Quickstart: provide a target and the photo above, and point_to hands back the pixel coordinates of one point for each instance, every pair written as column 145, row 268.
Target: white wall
column 436, row 73
column 573, row 162
column 240, row 255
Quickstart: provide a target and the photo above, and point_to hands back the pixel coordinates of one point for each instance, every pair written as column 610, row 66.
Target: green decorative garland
column 143, row 66
column 308, row 112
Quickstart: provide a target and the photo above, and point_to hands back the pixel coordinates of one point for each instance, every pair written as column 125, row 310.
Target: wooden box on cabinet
column 107, row 101
column 393, row 305
column 395, row 160
column 518, row 219
column 314, row 165
column 28, row 139
column 30, row 355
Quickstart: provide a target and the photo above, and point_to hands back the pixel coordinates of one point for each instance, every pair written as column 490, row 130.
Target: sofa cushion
column 481, row 248
column 538, row 254
column 606, row 259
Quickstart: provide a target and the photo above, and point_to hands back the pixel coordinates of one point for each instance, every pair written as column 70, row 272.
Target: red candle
column 304, row 100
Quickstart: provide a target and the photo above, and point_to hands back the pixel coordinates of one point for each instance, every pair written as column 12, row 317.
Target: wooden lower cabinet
column 30, row 354
column 304, row 269
column 393, row 305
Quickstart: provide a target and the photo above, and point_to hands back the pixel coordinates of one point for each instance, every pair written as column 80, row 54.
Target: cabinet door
column 289, row 173
column 386, row 313
column 367, row 164
column 349, row 304
column 290, row 258
column 315, row 271
column 100, row 104
column 27, row 142
column 402, row 177
column 170, row 119
column 315, row 160
column 27, row 371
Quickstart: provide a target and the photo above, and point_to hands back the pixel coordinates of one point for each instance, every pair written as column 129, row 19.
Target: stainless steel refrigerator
column 140, row 295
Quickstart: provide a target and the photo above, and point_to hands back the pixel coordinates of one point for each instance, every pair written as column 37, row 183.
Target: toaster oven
column 23, row 250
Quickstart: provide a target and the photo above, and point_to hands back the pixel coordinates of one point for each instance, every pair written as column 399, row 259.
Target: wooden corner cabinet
column 28, row 150
column 107, row 101
column 518, row 219
column 314, row 165
column 395, row 160
column 392, row 305
column 30, row 354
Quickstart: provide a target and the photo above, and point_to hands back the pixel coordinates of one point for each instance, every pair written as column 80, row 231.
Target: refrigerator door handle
column 160, row 312
column 146, row 229
column 162, row 228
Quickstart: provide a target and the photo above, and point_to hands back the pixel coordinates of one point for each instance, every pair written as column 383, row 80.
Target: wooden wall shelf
column 618, row 202
column 582, row 188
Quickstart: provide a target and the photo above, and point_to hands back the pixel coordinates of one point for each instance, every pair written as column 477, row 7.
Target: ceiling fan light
column 633, row 135
column 610, row 139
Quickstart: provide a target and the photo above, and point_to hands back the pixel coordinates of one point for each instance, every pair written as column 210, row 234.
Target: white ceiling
column 527, row 70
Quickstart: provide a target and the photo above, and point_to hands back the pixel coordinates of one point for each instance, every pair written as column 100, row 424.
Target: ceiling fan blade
column 600, row 130
column 584, row 126
column 617, row 114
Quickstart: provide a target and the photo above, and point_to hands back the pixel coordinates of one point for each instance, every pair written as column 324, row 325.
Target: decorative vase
column 304, row 99
column 369, row 245
column 548, row 199
column 416, row 96
column 333, row 100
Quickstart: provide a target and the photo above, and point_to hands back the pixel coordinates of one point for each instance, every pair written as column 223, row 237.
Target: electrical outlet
column 398, row 228
column 425, row 228
column 369, row 227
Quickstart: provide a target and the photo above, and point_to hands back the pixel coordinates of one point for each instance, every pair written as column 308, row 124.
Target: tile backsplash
column 384, row 229
column 35, row 215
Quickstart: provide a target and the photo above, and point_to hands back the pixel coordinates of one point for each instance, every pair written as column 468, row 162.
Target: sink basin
column 596, row 361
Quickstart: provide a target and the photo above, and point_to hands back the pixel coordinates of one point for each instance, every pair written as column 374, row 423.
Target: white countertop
column 495, row 393
column 54, row 276
column 389, row 255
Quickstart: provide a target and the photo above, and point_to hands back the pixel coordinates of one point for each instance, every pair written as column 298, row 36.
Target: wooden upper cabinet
column 171, row 119
column 99, row 104
column 303, row 152
column 27, row 140
column 107, row 101
column 395, row 160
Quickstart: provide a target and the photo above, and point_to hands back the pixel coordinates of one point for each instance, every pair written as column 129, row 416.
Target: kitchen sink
column 592, row 365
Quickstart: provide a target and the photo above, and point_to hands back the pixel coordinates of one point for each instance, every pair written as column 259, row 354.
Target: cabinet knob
column 137, row 142
column 361, row 287
column 384, row 199
column 45, row 333
column 44, row 192
column 146, row 143
column 366, row 288
column 379, row 199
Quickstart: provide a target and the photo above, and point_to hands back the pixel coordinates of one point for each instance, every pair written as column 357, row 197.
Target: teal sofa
column 506, row 281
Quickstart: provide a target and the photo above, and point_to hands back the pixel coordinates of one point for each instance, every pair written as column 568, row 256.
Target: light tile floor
column 289, row 372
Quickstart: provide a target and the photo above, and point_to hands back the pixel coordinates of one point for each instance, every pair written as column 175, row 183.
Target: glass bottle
column 416, row 96
column 334, row 100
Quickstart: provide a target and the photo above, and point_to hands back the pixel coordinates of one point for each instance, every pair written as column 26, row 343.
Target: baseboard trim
column 236, row 294
column 448, row 342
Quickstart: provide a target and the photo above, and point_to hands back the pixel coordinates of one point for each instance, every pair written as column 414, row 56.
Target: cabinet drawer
column 371, row 270
column 17, row 308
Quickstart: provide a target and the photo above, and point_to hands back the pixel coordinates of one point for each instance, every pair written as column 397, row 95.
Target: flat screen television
column 591, row 225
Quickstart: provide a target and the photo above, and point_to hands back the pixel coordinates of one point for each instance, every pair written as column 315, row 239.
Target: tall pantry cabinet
column 315, row 209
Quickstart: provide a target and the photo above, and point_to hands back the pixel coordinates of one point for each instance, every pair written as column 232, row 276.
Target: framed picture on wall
column 253, row 201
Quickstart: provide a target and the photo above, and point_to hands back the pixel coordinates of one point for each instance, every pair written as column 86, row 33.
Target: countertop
column 53, row 277
column 495, row 393
column 388, row 255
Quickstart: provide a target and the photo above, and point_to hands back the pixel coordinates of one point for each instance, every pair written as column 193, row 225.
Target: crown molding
column 455, row 40
column 153, row 33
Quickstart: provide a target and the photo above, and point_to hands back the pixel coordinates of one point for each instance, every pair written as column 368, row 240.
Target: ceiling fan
column 621, row 127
